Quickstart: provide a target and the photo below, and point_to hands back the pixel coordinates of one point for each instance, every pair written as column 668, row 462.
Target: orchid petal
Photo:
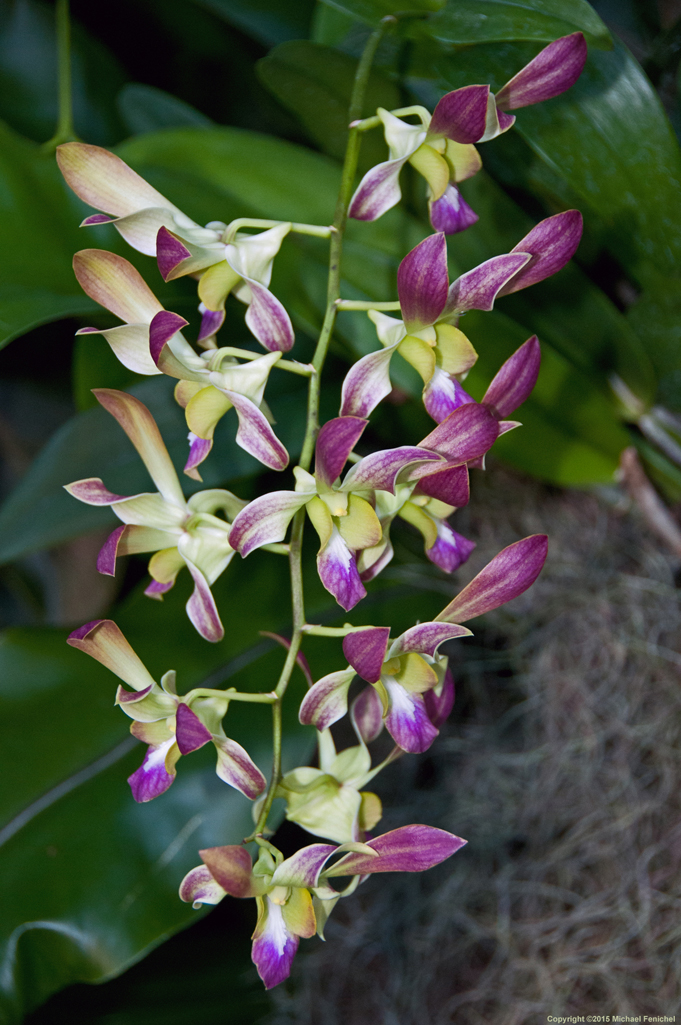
column 303, row 868
column 361, row 528
column 389, row 330
column 509, row 574
column 438, row 706
column 454, row 352
column 156, row 773
column 478, row 288
column 326, row 702
column 466, row 433
column 463, row 159
column 91, row 491
column 337, row 568
column 166, row 564
column 555, row 69
column 450, row 486
column 378, row 191
column 211, row 322
column 366, row 714
column 130, row 540
column 496, row 121
column 151, row 510
column 199, row 887
column 116, row 285
column 461, row 115
column 163, row 327
column 367, row 383
column 190, row 732
column 230, row 867
column 371, row 561
column 171, row 252
column 365, row 651
column 450, row 213
column 442, row 395
column 147, row 706
column 407, row 849
column 407, row 721
column 551, row 243
column 140, row 230
column 201, row 607
column 335, row 442
column 515, row 380
column 236, row 767
column 379, row 470
column 433, row 167
column 450, row 549
column 298, row 913
column 274, row 947
column 422, row 282
column 157, row 588
column 199, row 450
column 255, row 435
column 251, row 256
column 103, row 640
column 205, row 409
column 130, row 345
column 265, row 520
column 267, row 319
column 426, row 638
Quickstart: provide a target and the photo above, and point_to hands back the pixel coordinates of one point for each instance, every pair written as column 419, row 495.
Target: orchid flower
column 441, row 147
column 294, row 896
column 153, row 225
column 171, row 725
column 403, row 671
column 181, row 532
column 426, row 336
column 150, row 342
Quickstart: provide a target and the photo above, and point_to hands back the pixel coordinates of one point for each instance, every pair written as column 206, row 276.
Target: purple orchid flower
column 293, row 896
column 427, row 337
column 441, row 147
column 171, row 725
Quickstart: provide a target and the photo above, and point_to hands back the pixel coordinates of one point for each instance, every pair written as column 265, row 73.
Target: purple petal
column 467, row 433
column 378, row 191
column 509, row 573
column 335, row 442
column 326, row 702
column 199, row 887
column 422, row 282
column 407, row 849
column 267, row 319
column 553, row 70
column 443, row 394
column 231, row 867
column 367, row 714
column 274, row 948
column 367, row 383
column 438, row 706
column 450, row 486
column 451, row 213
column 152, row 778
column 96, row 219
column 201, row 607
column 478, row 289
column 303, row 867
column 265, row 520
column 106, row 560
column 551, row 243
column 450, row 550
column 236, row 767
column 365, row 651
column 379, row 564
column 462, row 114
column 255, row 434
column 157, row 588
column 379, row 470
column 162, row 328
column 407, row 721
column 426, row 638
column 191, row 734
column 515, row 380
column 170, row 252
column 92, row 491
column 211, row 322
column 337, row 568
column 199, row 449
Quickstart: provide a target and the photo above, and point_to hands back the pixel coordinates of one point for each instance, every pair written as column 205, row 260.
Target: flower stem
column 360, row 304
column 64, row 131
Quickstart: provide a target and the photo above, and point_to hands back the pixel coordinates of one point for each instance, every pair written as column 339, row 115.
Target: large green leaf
column 268, row 21
column 477, row 21
column 372, row 11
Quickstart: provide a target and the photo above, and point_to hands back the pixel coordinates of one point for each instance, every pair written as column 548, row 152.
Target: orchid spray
column 409, row 690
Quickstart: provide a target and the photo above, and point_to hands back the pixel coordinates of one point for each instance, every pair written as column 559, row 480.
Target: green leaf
column 656, row 316
column 144, row 108
column 372, row 11
column 268, row 21
column 477, row 21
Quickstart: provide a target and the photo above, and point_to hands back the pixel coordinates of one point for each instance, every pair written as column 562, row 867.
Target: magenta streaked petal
column 515, row 380
column 303, row 867
column 274, row 947
column 366, row 714
column 103, row 640
column 152, row 778
column 96, row 219
column 555, row 69
column 506, row 121
column 265, row 520
column 92, row 492
column 230, row 867
column 378, row 191
column 451, row 213
column 407, row 849
column 326, row 702
column 508, row 425
column 478, row 289
column 255, row 434
column 267, row 319
column 551, row 243
column 335, row 442
column 191, row 734
column 438, row 706
column 337, row 568
column 201, row 607
column 236, row 767
column 422, row 282
column 367, row 383
column 199, row 887
column 450, row 486
column 211, row 322
column 467, row 433
column 380, row 469
column 162, row 328
column 199, row 449
column 365, row 651
column 450, row 550
column 443, row 394
column 106, row 560
column 157, row 588
column 462, row 114
column 379, row 564
column 170, row 252
column 426, row 638
column 407, row 721
column 509, row 573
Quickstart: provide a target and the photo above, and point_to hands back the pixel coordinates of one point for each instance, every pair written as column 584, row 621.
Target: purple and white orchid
column 182, row 532
column 294, row 895
column 171, row 725
column 441, row 147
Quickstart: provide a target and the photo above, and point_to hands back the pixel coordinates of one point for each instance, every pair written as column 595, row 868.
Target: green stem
column 234, row 695
column 318, row 230
column 360, row 304
column 65, row 131
column 312, row 427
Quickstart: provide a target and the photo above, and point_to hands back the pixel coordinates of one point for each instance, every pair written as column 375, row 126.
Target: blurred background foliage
column 237, row 108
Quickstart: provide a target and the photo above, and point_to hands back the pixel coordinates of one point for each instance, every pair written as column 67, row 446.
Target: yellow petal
column 298, row 913
column 419, row 354
column 216, row 284
column 186, row 390
column 371, row 810
column 361, row 527
column 463, row 159
column 205, row 409
column 454, row 353
column 321, row 519
column 433, row 167
column 412, row 514
column 415, row 674
column 165, row 565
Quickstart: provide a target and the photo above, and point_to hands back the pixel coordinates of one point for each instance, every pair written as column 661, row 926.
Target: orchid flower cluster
column 350, row 499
